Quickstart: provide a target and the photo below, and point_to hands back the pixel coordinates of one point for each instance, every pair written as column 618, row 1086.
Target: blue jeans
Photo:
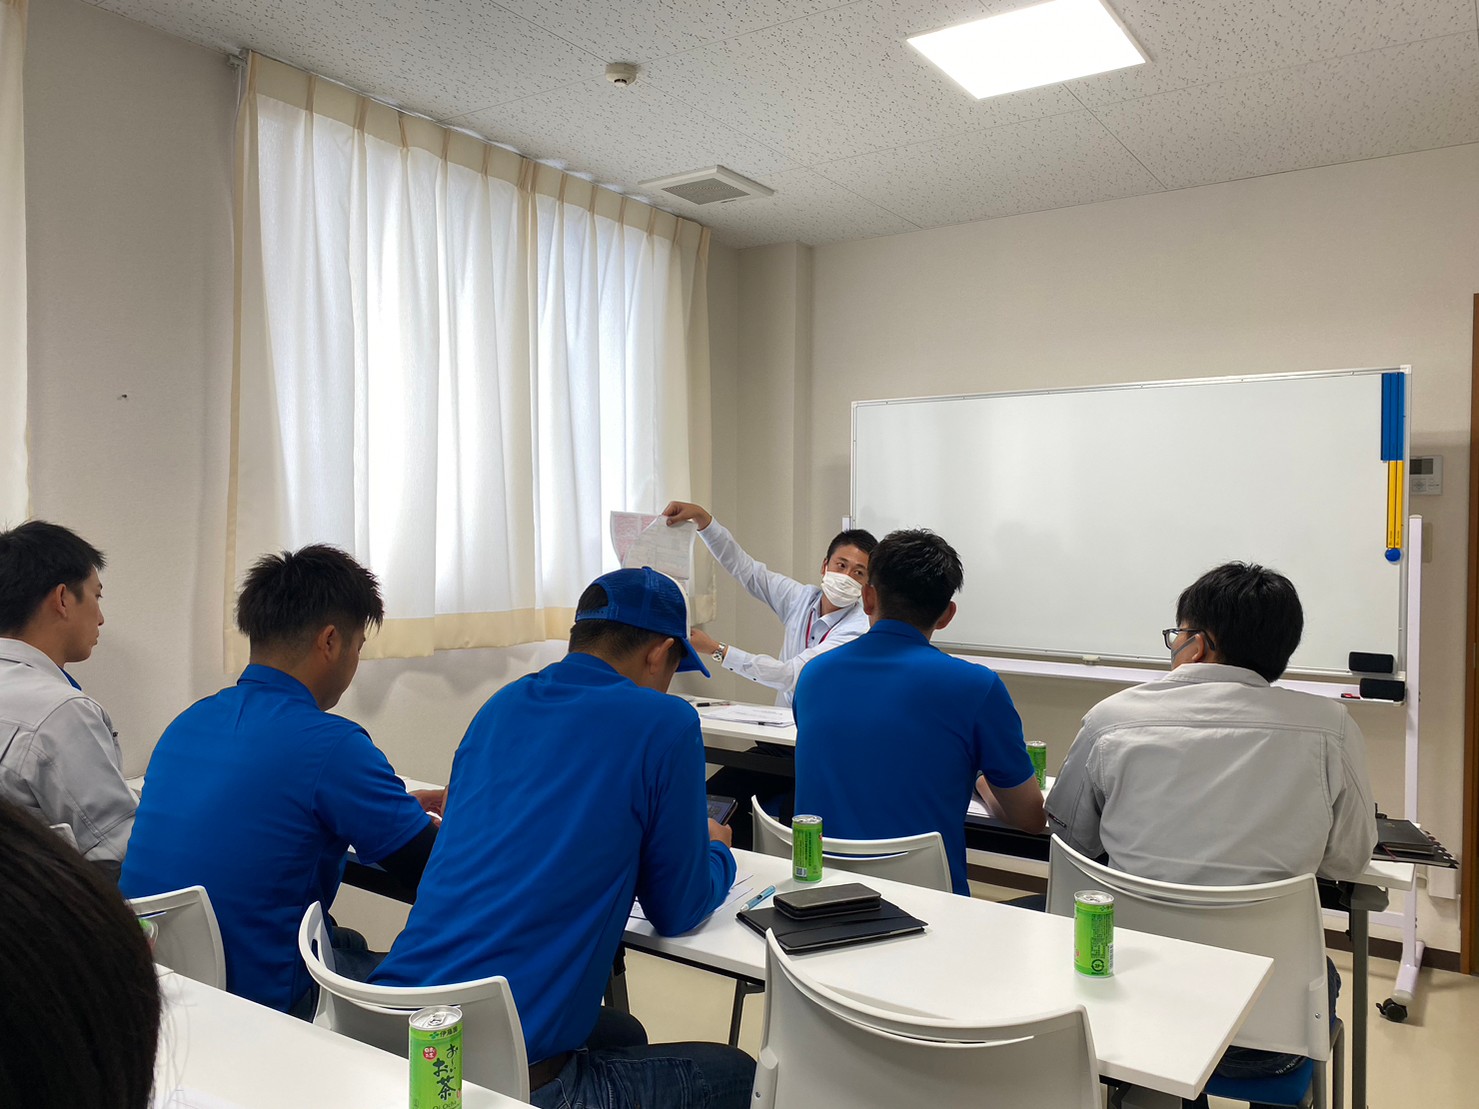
column 1248, row 1062
column 617, row 1069
column 352, row 958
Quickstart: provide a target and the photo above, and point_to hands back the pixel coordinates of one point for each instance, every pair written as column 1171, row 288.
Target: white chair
column 918, row 860
column 187, row 937
column 69, row 836
column 493, row 1052
column 822, row 1048
column 1280, row 920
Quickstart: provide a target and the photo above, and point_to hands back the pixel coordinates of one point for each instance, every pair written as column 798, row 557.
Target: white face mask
column 841, row 589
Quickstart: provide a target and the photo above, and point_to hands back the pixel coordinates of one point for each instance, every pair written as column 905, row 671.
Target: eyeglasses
column 1170, row 634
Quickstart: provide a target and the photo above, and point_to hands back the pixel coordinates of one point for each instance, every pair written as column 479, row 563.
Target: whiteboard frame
column 1137, row 662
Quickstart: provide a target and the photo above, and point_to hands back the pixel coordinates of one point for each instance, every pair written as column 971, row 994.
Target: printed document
column 641, row 539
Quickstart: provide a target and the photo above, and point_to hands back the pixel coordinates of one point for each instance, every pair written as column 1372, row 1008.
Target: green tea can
column 806, row 848
column 436, row 1058
column 1093, row 933
column 1037, row 751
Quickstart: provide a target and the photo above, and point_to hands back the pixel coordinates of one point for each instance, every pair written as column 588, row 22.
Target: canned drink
column 151, row 933
column 1093, row 933
column 436, row 1057
column 1037, row 751
column 806, row 848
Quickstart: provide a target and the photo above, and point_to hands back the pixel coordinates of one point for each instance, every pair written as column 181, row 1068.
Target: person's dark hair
column 609, row 637
column 35, row 558
column 853, row 537
column 1251, row 613
column 916, row 574
column 288, row 598
column 75, row 974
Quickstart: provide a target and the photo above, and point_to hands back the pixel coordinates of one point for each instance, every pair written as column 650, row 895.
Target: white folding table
column 238, row 1053
column 1161, row 1022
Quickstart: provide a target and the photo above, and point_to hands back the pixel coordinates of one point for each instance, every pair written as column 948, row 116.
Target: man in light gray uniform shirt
column 59, row 756
column 1211, row 776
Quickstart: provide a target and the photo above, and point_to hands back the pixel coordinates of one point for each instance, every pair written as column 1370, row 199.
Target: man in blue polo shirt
column 574, row 790
column 892, row 733
column 257, row 792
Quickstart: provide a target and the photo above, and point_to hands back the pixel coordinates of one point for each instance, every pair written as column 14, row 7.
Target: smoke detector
column 621, row 74
column 715, row 185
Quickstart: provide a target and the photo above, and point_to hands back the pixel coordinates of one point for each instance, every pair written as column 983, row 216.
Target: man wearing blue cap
column 575, row 790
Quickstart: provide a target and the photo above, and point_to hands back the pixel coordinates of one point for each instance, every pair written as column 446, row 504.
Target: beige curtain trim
column 415, row 638
column 420, row 638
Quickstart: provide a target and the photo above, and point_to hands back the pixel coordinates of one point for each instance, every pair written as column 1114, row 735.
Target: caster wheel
column 1394, row 1011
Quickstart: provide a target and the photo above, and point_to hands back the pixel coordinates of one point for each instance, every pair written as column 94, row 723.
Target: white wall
column 128, row 179
column 1369, row 264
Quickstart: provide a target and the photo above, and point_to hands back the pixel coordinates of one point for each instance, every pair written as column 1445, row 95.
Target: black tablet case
column 797, row 936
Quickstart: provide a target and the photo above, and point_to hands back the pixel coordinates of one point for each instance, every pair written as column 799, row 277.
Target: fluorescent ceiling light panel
column 1040, row 45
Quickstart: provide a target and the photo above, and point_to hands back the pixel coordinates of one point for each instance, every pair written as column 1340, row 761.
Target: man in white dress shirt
column 59, row 756
column 816, row 617
column 1211, row 775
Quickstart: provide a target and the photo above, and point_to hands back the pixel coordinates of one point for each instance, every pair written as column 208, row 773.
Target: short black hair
column 610, row 637
column 1251, row 613
column 35, row 558
column 72, row 957
column 916, row 574
column 288, row 598
column 853, row 537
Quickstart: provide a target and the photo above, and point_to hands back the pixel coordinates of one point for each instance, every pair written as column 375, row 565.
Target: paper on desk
column 978, row 808
column 641, row 539
column 740, row 891
column 771, row 716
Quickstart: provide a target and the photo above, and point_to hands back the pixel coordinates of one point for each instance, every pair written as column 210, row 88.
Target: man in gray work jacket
column 59, row 756
column 1212, row 775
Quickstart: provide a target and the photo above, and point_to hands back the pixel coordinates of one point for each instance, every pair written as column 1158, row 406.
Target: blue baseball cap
column 651, row 601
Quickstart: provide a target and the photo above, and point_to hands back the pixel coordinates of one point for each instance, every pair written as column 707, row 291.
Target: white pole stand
column 1395, row 1007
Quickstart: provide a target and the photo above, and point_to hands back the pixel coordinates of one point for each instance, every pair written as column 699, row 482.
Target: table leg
column 616, row 985
column 1360, row 1002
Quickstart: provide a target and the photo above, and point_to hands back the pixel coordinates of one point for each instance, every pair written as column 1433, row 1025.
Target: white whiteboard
column 1081, row 514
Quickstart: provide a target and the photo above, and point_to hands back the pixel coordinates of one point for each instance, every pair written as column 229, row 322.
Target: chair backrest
column 918, row 860
column 820, row 1047
column 187, row 938
column 1280, row 920
column 493, row 1052
column 65, row 831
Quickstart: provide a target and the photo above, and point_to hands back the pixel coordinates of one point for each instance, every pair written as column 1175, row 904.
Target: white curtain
column 14, row 489
column 453, row 363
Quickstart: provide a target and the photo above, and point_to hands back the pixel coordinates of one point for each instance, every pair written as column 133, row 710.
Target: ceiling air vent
column 708, row 186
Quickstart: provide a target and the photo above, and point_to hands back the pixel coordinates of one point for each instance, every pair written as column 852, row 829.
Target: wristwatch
column 719, row 652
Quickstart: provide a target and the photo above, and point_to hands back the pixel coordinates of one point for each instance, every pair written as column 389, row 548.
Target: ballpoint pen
column 759, row 897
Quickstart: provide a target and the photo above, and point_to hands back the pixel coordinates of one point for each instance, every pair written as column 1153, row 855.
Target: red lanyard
column 826, row 633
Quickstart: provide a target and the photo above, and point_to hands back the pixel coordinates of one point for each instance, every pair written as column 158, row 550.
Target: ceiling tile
column 1404, row 98
column 1199, row 43
column 621, row 136
column 1022, row 167
column 642, row 31
column 806, row 208
column 439, row 58
column 839, row 84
